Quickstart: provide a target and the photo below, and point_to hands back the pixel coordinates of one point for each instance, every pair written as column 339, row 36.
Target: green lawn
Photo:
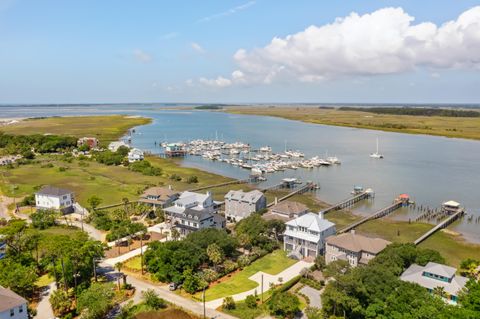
column 243, row 312
column 44, row 280
column 106, row 128
column 273, row 264
column 134, row 263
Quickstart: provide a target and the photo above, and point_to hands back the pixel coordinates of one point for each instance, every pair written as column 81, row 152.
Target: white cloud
column 227, row 12
column 383, row 42
column 142, row 56
column 219, row 82
column 197, row 47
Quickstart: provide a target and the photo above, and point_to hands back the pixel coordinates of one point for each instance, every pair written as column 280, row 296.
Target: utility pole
column 262, row 288
column 81, row 216
column 141, row 252
column 94, row 269
column 204, row 312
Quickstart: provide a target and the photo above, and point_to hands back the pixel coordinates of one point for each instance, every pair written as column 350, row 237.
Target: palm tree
column 175, row 234
column 119, row 267
column 125, row 201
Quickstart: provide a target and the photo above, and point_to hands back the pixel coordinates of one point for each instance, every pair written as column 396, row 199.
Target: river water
column 430, row 169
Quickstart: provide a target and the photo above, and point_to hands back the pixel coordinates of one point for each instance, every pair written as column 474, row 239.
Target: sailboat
column 376, row 154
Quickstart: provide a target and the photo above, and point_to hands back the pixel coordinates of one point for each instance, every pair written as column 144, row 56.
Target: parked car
column 173, row 286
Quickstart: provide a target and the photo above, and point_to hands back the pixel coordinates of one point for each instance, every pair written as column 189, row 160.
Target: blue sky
column 222, row 51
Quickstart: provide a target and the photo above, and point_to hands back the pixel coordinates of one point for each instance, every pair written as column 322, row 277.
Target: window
column 12, row 312
column 20, row 309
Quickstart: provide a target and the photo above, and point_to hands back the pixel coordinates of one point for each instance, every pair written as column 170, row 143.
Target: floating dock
column 400, row 201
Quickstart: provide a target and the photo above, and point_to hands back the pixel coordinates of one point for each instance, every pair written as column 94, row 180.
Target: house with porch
column 305, row 235
column 354, row 248
column 135, row 155
column 286, row 210
column 240, row 204
column 191, row 220
column 159, row 197
column 434, row 276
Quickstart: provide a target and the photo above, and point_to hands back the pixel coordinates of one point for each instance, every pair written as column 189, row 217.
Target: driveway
column 268, row 279
column 314, row 296
column 44, row 309
column 163, row 292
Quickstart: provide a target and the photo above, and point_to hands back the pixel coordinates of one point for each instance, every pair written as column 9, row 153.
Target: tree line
column 414, row 111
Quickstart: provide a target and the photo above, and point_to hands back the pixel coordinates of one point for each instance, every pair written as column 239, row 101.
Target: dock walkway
column 347, row 202
column 441, row 225
column 301, row 190
column 237, row 181
column 379, row 214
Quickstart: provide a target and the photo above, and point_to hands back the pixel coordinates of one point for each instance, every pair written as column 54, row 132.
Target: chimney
column 320, row 214
column 276, row 200
column 209, row 193
column 170, row 187
column 352, row 232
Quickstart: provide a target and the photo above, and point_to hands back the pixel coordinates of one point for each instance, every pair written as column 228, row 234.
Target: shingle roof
column 439, row 269
column 53, row 191
column 289, row 208
column 357, row 243
column 191, row 197
column 162, row 192
column 9, row 299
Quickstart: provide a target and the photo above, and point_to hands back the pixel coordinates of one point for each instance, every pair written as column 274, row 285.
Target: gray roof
column 414, row 274
column 53, row 191
column 357, row 243
column 187, row 198
column 194, row 215
column 240, row 195
column 9, row 299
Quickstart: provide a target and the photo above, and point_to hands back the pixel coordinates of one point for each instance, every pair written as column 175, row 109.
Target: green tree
column 215, row 254
column 61, row 302
column 251, row 301
column 228, row 303
column 94, row 202
column 191, row 281
column 152, row 300
column 18, row 277
column 95, row 302
column 44, row 218
column 174, row 233
column 192, row 179
column 283, row 304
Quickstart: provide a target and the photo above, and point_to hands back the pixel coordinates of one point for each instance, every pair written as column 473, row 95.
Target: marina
column 434, row 169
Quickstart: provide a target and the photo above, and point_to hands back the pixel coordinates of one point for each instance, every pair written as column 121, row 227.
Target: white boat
column 265, row 149
column 376, row 154
column 333, row 160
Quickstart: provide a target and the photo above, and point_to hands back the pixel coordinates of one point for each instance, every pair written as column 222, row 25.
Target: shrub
column 251, row 301
column 152, row 300
column 175, row 177
column 283, row 304
column 44, row 218
column 28, row 200
column 228, row 303
column 192, row 179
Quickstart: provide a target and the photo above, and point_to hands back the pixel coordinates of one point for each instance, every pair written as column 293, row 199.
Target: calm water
column 430, row 169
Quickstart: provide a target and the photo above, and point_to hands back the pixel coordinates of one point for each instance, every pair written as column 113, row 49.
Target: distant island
column 210, row 107
column 414, row 111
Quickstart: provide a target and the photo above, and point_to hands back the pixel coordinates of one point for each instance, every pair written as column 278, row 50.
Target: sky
column 258, row 51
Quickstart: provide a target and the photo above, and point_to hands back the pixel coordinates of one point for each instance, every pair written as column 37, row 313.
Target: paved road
column 44, row 309
column 286, row 275
column 163, row 292
column 314, row 296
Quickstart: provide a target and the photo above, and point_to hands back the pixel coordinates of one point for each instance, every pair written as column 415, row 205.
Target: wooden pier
column 443, row 224
column 379, row 214
column 237, row 181
column 348, row 202
column 307, row 187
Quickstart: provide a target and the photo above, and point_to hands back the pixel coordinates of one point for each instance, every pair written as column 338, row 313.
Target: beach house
column 354, row 248
column 436, row 278
column 159, row 197
column 135, row 155
column 305, row 235
column 50, row 197
column 240, row 204
column 91, row 142
column 286, row 210
column 114, row 146
column 191, row 220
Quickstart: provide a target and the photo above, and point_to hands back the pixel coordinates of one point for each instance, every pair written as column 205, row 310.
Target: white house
column 113, row 146
column 49, row 197
column 191, row 200
column 434, row 275
column 305, row 235
column 135, row 155
column 3, row 246
column 12, row 306
column 240, row 204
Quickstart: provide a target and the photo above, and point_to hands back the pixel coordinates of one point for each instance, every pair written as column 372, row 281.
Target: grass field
column 431, row 125
column 44, row 280
column 134, row 263
column 273, row 264
column 111, row 183
column 106, row 128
